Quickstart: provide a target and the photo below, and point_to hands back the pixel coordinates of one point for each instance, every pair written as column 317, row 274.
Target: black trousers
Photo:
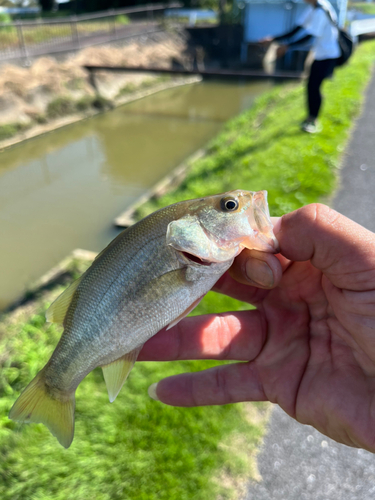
column 319, row 71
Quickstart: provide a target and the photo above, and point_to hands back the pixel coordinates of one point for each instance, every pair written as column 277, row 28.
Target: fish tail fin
column 39, row 403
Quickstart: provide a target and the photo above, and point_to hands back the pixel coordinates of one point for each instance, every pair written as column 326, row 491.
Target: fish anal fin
column 58, row 309
column 185, row 313
column 117, row 372
column 38, row 404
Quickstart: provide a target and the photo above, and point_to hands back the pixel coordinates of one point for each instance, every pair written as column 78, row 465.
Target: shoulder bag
column 346, row 42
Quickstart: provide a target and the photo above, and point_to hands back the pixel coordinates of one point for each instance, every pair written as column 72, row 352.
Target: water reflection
column 61, row 191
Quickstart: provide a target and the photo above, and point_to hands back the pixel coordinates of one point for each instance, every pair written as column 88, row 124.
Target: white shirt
column 316, row 22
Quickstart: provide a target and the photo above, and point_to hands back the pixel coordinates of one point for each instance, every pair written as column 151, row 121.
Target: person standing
column 318, row 24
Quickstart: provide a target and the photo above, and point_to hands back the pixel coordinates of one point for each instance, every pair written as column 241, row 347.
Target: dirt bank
column 50, row 94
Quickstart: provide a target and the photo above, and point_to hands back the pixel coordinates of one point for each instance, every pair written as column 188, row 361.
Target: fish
column 149, row 277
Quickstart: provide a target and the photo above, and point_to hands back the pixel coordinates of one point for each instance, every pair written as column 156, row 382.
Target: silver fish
column 151, row 276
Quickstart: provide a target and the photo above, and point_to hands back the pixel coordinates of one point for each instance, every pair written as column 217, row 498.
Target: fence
column 25, row 39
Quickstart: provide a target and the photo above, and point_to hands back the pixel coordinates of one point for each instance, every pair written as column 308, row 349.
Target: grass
column 33, row 34
column 65, row 105
column 5, row 19
column 366, row 8
column 136, row 448
column 122, row 19
column 10, row 129
column 131, row 87
column 61, row 106
column 264, row 148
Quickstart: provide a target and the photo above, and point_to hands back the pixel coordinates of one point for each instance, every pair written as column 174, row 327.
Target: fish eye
column 229, row 204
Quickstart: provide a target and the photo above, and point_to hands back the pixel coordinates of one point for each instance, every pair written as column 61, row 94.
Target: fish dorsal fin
column 117, row 372
column 185, row 313
column 57, row 310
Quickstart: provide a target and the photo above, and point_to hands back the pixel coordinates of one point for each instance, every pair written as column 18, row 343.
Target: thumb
column 342, row 249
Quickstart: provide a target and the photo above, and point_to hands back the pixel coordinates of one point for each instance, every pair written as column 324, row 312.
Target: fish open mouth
column 195, row 259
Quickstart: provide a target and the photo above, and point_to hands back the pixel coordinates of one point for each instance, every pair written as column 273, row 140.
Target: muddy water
column 62, row 190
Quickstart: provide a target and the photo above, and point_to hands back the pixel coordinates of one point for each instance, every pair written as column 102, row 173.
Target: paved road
column 296, row 462
column 356, row 196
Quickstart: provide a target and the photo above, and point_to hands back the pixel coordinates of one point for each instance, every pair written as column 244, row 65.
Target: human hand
column 281, row 51
column 310, row 344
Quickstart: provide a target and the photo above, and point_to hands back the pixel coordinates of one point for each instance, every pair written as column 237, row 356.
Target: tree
column 47, row 5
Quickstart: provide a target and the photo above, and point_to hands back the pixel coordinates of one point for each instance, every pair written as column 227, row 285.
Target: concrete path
column 356, row 195
column 296, row 462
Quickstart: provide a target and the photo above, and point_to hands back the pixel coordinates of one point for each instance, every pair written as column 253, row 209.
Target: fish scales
column 150, row 276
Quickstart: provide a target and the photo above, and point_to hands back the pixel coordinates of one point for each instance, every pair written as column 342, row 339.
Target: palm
column 307, row 364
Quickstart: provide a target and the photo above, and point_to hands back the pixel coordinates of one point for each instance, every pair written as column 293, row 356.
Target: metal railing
column 26, row 39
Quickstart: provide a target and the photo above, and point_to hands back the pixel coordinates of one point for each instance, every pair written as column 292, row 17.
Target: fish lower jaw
column 195, row 259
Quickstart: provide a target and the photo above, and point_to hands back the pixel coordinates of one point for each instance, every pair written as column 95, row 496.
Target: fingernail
column 259, row 272
column 152, row 391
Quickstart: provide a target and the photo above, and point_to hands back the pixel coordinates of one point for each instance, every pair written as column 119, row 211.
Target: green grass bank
column 132, row 449
column 264, row 148
column 365, row 7
column 137, row 448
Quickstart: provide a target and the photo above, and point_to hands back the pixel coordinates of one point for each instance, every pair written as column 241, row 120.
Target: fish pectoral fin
column 58, row 309
column 38, row 404
column 117, row 372
column 185, row 313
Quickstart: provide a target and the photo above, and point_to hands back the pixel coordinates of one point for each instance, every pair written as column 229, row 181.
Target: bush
column 7, row 131
column 122, row 19
column 10, row 129
column 61, row 106
column 85, row 103
column 40, row 119
column 127, row 89
column 101, row 103
column 6, row 19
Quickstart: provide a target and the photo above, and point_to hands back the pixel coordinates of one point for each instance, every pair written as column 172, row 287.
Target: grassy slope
column 366, row 8
column 263, row 148
column 136, row 448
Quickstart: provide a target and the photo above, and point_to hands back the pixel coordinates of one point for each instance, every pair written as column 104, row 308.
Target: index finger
column 235, row 336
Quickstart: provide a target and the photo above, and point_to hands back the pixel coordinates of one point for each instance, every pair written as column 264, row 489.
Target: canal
column 62, row 190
